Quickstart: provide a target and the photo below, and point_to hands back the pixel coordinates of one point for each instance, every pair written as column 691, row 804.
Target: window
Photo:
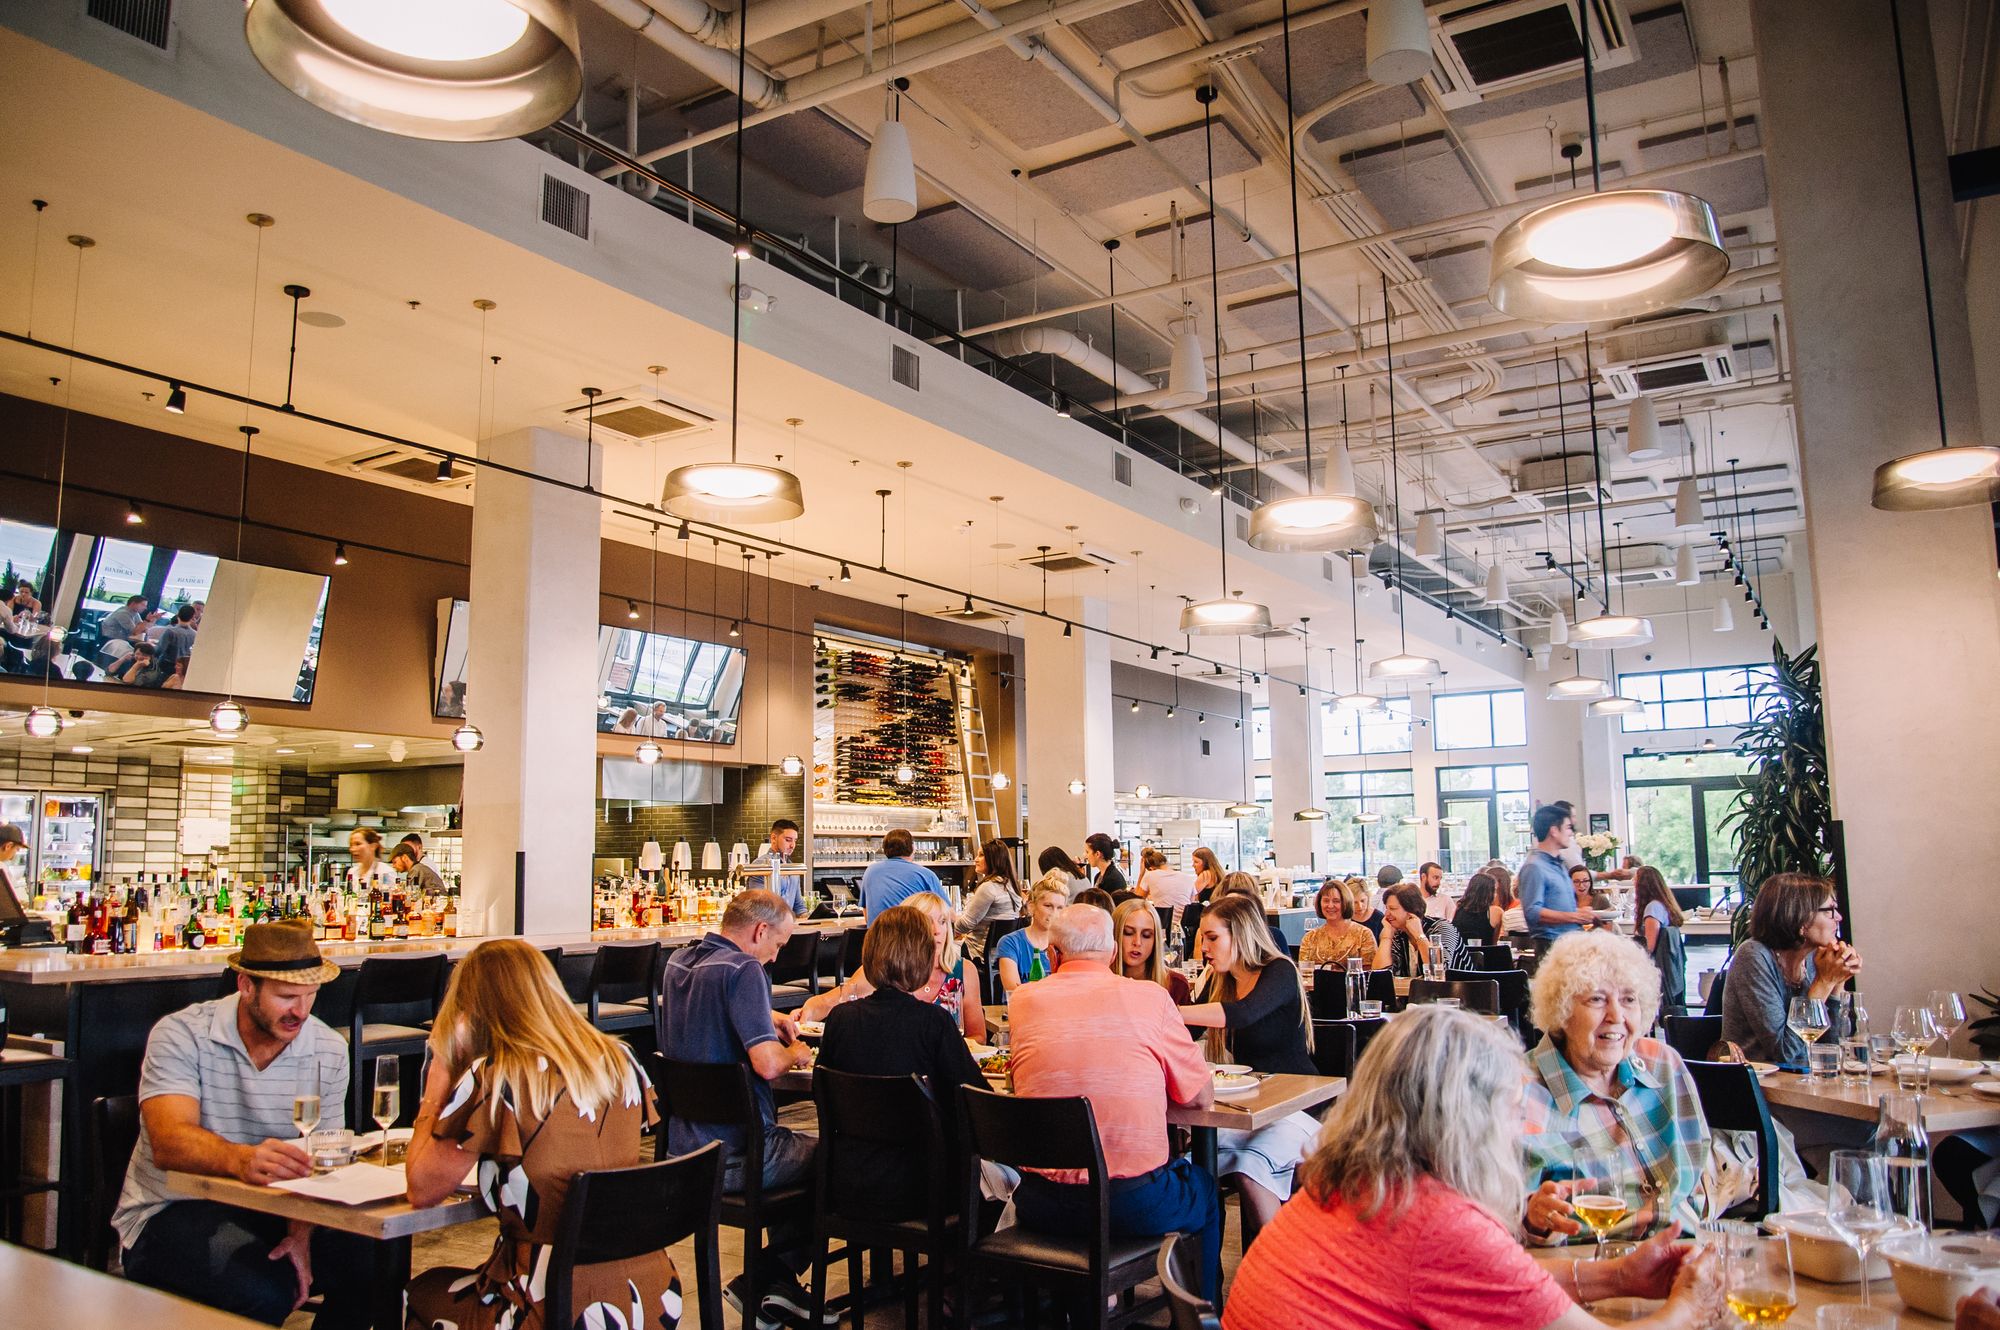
column 1676, row 804
column 1351, row 733
column 1255, row 832
column 1361, row 848
column 1260, row 733
column 1479, row 720
column 25, row 551
column 1693, row 699
column 1483, row 814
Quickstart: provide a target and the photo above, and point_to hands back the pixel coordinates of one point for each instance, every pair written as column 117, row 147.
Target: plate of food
column 1229, row 1083
column 1763, row 1068
column 1945, row 1071
column 1230, row 1069
column 811, row 1029
column 1991, row 1089
column 994, row 1065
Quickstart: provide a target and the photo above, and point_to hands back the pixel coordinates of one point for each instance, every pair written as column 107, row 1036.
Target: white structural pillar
column 1068, row 737
column 531, row 683
column 1906, row 604
column 1296, row 776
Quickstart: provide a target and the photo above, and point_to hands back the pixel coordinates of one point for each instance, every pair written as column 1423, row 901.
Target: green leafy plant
column 1986, row 1030
column 1781, row 821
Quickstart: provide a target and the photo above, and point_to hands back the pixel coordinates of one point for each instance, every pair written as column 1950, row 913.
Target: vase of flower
column 1598, row 847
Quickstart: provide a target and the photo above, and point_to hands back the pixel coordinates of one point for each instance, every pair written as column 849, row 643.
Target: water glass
column 1368, row 1008
column 1357, row 983
column 1822, row 1061
column 331, row 1149
column 1881, row 1053
column 1913, row 1073
column 1848, row 1317
column 1854, row 1063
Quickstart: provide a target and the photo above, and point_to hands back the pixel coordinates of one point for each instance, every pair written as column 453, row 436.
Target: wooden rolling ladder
column 974, row 764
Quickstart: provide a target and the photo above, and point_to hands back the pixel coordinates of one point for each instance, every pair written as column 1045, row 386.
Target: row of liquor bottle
column 158, row 912
column 653, row 902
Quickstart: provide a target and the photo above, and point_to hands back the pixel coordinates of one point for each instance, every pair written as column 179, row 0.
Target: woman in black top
column 892, row 1033
column 1253, row 1008
column 1476, row 916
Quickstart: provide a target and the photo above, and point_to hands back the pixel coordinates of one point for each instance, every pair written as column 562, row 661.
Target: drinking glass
column 1807, row 1018
column 1915, row 1031
column 1947, row 1014
column 1847, row 1316
column 305, row 1115
column 1822, row 1062
column 1860, row 1205
column 1758, row 1284
column 1357, row 984
column 1854, row 1060
column 386, row 1105
column 1605, row 1196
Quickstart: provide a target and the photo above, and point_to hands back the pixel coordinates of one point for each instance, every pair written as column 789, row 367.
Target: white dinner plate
column 1945, row 1071
column 1228, row 1084
column 1763, row 1068
column 1991, row 1089
column 813, row 1029
column 1230, row 1069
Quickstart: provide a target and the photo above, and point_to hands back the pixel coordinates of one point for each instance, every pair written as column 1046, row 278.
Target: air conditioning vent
column 1645, row 565
column 1544, row 477
column 1121, row 468
column 1326, row 569
column 410, row 465
column 905, row 368
column 1084, row 558
column 635, row 415
column 151, row 21
column 1639, row 360
column 1242, row 527
column 566, row 207
column 1490, row 48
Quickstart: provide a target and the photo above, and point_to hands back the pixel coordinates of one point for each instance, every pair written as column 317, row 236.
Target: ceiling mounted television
column 651, row 684
column 103, row 610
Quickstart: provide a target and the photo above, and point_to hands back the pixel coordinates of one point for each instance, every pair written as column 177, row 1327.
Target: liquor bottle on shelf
column 193, row 937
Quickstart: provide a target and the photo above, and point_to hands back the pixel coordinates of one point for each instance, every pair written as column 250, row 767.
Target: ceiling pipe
column 673, row 26
column 1222, row 48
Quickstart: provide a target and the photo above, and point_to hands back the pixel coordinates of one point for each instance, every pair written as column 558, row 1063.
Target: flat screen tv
column 647, row 683
column 120, row 613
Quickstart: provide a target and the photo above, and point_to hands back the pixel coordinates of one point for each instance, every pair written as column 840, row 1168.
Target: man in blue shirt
column 893, row 879
column 784, row 839
column 1548, row 901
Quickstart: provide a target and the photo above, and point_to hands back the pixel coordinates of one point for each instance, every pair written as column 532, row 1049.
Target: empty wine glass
column 1860, row 1204
column 1808, row 1019
column 1947, row 1014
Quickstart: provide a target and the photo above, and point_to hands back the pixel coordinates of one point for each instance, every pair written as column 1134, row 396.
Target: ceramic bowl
column 1820, row 1253
column 1934, row 1270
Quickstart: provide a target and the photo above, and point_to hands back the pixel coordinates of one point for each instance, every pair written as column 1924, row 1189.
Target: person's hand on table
column 1697, row 1287
column 297, row 1248
column 787, row 1028
column 1652, row 1268
column 1979, row 1310
column 1549, row 1209
column 272, row 1160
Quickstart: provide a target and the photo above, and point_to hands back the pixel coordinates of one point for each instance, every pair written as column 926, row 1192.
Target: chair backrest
column 1333, row 1048
column 114, row 1134
column 1328, row 997
column 1036, row 1133
column 1179, row 1271
column 1513, row 986
column 623, row 971
column 1689, row 898
column 555, row 958
column 1477, row 994
column 850, row 951
column 826, row 957
column 399, row 981
column 615, row 1214
column 794, row 962
column 1364, row 1031
column 878, row 1110
column 1713, row 1006
column 1491, row 956
column 1165, row 937
column 1190, row 926
column 1732, row 1100
column 1692, row 1036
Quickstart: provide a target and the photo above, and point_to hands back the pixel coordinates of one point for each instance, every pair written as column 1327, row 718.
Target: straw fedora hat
column 285, row 952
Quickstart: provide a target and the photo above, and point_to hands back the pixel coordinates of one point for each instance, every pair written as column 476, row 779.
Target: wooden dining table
column 1812, row 1295
column 389, row 1223
column 45, row 1291
column 1947, row 1108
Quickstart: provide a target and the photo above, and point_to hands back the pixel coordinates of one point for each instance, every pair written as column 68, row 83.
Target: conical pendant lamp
column 1686, row 573
column 1402, row 665
column 1606, row 631
column 889, row 189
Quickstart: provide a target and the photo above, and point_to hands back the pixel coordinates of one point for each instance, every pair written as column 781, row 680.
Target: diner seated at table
column 1015, row 955
column 1338, row 935
column 1409, row 938
column 715, row 1006
column 1478, row 915
column 1086, row 1031
column 1361, row 906
column 1252, row 1009
column 216, row 1090
column 895, row 877
column 1609, row 1107
column 1136, row 925
column 1590, row 897
column 950, row 980
column 1794, row 950
column 1405, row 1215
column 524, row 1089
column 1058, row 869
column 1171, row 888
column 995, row 897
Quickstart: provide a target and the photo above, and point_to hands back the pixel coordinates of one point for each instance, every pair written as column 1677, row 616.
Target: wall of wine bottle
column 881, row 715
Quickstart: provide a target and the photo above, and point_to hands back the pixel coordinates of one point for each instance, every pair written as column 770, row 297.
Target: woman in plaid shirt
column 1610, row 1109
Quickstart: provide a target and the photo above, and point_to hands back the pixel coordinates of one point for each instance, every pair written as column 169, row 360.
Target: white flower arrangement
column 1597, row 844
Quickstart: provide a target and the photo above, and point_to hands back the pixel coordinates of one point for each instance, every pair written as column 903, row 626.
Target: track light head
column 133, row 517
column 736, row 628
column 845, row 574
column 444, row 468
column 177, row 399
column 742, row 248
column 339, row 555
column 631, row 609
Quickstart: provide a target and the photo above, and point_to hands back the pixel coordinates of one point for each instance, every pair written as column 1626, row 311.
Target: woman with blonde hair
column 1135, row 927
column 1405, row 1213
column 1361, row 907
column 1014, row 959
column 525, row 1088
column 946, row 987
column 1253, row 1007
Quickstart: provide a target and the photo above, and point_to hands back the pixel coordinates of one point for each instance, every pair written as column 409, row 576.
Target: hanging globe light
column 43, row 723
column 1076, row 786
column 648, row 752
column 792, row 764
column 228, row 717
column 467, row 738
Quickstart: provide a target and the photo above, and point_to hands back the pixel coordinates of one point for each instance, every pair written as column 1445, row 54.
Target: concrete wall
column 1166, row 754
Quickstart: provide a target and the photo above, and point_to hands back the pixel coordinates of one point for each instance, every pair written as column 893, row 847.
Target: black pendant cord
column 736, row 273
column 1206, row 95
column 1596, row 469
column 1917, row 207
column 1298, row 261
column 1395, row 465
column 883, row 563
column 1569, row 517
column 297, row 293
column 1589, row 105
column 1111, row 289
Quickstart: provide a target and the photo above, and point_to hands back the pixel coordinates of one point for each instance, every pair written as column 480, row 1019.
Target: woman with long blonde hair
column 525, row 1088
column 946, row 987
column 1253, row 1007
column 1135, row 927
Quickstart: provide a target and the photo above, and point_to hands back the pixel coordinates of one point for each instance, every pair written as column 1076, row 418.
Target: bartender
column 407, row 859
column 11, row 842
column 368, row 871
column 783, row 840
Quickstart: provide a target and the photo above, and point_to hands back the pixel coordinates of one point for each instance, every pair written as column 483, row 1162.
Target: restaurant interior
column 654, row 451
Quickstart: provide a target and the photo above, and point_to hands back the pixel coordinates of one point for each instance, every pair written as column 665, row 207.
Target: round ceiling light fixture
column 1238, row 811
column 43, row 723
column 1309, row 815
column 1000, row 780
column 1404, row 666
column 1142, row 791
column 1616, row 705
column 1225, row 616
column 648, row 752
column 1611, row 255
column 461, row 71
column 905, row 774
column 733, row 492
column 1957, row 476
column 467, row 738
column 1364, row 818
column 1358, row 702
column 1611, row 632
column 1578, row 688
column 1305, row 522
column 792, row 764
column 228, row 717
column 1076, row 786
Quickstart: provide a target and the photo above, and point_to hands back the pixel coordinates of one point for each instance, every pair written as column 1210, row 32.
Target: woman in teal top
column 1023, row 955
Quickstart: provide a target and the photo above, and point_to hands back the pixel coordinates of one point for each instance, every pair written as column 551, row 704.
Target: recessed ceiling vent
column 1487, row 49
column 1638, row 361
column 1082, row 559
column 151, row 21
column 1546, row 479
column 1644, row 565
column 566, row 207
column 407, row 464
column 637, row 415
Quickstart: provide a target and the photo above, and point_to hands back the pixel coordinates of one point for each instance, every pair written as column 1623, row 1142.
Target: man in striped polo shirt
column 215, row 1096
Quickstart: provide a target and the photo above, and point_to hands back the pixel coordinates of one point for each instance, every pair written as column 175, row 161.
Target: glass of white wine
column 1915, row 1031
column 305, row 1116
column 1808, row 1019
column 386, row 1104
column 1600, row 1200
column 1758, row 1285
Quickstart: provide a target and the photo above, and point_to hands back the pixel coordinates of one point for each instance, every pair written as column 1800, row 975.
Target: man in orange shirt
column 1121, row 1043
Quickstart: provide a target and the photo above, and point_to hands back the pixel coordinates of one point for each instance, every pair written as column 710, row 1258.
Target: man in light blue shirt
column 1548, row 901
column 893, row 879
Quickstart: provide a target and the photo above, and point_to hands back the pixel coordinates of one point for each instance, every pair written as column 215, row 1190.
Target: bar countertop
column 51, row 965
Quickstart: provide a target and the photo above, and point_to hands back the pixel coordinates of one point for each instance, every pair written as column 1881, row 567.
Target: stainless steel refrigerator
column 65, row 831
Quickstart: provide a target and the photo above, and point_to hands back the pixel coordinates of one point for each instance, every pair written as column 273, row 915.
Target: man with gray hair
column 1121, row 1044
column 1387, row 876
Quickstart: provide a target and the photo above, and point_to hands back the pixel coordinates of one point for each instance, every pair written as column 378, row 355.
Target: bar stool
column 792, row 971
column 622, row 972
column 395, row 1000
column 617, row 1213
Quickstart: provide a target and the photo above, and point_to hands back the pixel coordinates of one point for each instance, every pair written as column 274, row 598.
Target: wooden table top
column 393, row 1218
column 1947, row 1108
column 21, row 1066
column 42, row 1290
column 1812, row 1296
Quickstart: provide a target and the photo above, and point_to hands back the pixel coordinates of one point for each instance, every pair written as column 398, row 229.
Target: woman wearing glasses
column 1794, row 950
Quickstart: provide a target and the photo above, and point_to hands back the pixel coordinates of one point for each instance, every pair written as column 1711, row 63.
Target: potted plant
column 1781, row 821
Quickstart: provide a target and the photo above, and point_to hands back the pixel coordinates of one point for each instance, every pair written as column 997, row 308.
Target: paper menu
column 351, row 1184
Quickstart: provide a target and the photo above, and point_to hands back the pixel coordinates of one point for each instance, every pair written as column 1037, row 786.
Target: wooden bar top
column 42, row 1290
column 51, row 965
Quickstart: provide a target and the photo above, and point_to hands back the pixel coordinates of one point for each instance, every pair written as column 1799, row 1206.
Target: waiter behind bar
column 11, row 841
column 784, row 839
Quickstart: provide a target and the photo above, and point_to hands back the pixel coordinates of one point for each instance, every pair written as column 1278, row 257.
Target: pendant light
column 1402, row 665
column 1187, row 371
column 1687, row 506
column 1725, row 616
column 1947, row 476
column 1614, row 703
column 43, row 722
column 1608, row 254
column 1399, row 42
column 1686, row 573
column 1642, row 432
column 1142, row 791
column 1244, row 808
column 467, row 738
column 1360, row 699
column 1558, row 628
column 463, row 71
column 1606, row 631
column 1429, row 540
column 1076, row 785
column 1577, row 687
column 227, row 718
column 1496, row 581
column 792, row 764
column 735, row 491
column 648, row 752
column 1338, row 519
column 1312, row 812
column 889, row 191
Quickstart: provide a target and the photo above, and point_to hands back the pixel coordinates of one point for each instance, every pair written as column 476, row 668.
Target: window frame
column 1438, row 743
column 1660, row 713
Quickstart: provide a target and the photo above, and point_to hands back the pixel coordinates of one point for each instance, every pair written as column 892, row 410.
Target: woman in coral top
column 1405, row 1215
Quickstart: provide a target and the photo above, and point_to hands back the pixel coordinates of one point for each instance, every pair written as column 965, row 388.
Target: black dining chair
column 114, row 1134
column 850, row 952
column 1712, row 1006
column 721, row 1094
column 1328, row 998
column 792, row 971
column 1481, row 995
column 1086, row 1272
column 891, row 1113
column 989, row 977
column 1333, row 1048
column 1191, row 927
column 1514, row 992
column 615, row 1214
column 1733, row 1100
column 1490, row 957
column 826, row 959
column 395, row 1000
column 1177, row 1267
column 1364, row 1031
column 1693, row 1037
column 619, row 996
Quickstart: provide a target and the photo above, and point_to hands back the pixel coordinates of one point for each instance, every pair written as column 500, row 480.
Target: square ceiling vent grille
column 638, row 417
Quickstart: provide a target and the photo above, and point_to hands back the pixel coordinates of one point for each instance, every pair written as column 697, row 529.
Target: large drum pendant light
column 458, row 70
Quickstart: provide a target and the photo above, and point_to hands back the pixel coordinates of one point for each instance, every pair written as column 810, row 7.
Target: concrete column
column 1905, row 603
column 531, row 676
column 1068, row 688
column 1296, row 776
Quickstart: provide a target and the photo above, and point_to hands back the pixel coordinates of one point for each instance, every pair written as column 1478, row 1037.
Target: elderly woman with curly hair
column 1610, row 1108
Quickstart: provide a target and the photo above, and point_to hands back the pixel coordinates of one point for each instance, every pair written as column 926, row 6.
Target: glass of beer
column 1758, row 1284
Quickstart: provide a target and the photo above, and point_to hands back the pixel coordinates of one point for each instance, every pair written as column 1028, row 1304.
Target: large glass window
column 1694, row 699
column 1260, row 733
column 1363, row 847
column 1351, row 733
column 25, row 552
column 1483, row 814
column 1675, row 804
column 1479, row 720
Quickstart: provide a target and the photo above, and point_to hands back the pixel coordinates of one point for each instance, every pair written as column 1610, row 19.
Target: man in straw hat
column 215, row 1096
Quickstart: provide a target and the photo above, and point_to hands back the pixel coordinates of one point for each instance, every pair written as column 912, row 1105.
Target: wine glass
column 1915, row 1030
column 386, row 1104
column 1758, row 1285
column 1807, row 1018
column 305, row 1115
column 1603, row 1198
column 1947, row 1014
column 1859, row 1205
